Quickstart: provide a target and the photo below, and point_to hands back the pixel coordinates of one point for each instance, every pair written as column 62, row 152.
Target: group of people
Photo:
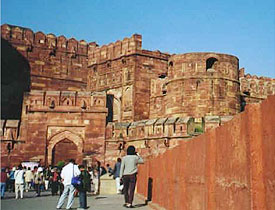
column 20, row 179
column 124, row 173
column 23, row 179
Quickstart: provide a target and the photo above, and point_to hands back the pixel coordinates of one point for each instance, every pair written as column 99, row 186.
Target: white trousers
column 118, row 186
column 19, row 187
column 68, row 190
column 96, row 183
column 46, row 184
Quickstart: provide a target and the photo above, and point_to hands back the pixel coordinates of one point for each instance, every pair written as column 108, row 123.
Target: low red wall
column 230, row 167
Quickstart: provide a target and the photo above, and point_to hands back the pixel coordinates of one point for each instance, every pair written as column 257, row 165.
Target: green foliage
column 198, row 129
column 60, row 164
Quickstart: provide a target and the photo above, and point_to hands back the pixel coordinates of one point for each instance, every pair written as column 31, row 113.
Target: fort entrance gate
column 63, row 146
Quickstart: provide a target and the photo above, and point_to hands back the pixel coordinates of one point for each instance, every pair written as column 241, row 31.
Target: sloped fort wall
column 229, row 167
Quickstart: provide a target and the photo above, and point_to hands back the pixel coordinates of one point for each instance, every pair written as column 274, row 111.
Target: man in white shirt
column 68, row 172
column 19, row 181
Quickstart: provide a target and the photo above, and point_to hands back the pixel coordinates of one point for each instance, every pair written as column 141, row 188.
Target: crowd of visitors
column 70, row 180
column 37, row 179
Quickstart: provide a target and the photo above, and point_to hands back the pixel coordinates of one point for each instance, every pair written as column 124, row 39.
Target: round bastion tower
column 202, row 84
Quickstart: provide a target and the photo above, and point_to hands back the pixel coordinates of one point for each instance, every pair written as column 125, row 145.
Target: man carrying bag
column 68, row 172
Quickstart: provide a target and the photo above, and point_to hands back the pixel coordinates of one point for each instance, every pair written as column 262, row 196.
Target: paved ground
column 48, row 202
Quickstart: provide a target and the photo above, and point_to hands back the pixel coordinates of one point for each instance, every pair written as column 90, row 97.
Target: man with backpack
column 68, row 172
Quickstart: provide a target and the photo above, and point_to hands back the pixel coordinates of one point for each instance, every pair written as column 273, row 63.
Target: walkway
column 48, row 202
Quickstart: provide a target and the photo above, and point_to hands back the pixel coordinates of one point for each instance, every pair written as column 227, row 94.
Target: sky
column 244, row 28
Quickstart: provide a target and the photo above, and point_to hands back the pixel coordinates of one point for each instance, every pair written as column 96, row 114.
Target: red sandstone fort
column 65, row 98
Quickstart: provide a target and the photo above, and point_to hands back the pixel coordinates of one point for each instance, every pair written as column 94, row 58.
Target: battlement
column 255, row 89
column 25, row 36
column 163, row 127
column 115, row 50
column 65, row 101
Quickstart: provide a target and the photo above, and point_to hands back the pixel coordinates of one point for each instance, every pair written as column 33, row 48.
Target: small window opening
column 171, row 64
column 210, row 63
column 162, row 76
column 197, row 84
column 84, row 105
column 52, row 105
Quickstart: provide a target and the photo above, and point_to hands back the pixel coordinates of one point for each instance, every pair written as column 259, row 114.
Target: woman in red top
column 55, row 181
column 3, row 182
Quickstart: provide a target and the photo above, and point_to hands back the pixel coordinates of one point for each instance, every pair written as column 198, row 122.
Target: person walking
column 116, row 173
column 28, row 179
column 19, row 181
column 128, row 173
column 68, row 172
column 47, row 175
column 38, row 180
column 3, row 181
column 11, row 186
column 84, row 187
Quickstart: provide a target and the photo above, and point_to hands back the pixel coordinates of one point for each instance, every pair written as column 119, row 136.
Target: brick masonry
column 151, row 99
column 230, row 167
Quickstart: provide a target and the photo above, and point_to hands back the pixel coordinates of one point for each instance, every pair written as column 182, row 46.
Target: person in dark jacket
column 116, row 172
column 84, row 186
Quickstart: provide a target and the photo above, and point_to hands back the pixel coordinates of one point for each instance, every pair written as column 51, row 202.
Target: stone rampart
column 229, row 167
column 55, row 63
column 152, row 137
column 254, row 89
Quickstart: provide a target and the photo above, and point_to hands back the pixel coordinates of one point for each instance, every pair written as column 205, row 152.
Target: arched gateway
column 67, row 143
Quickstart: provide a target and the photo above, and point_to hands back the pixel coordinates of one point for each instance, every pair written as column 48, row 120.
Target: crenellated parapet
column 64, row 101
column 25, row 36
column 115, row 50
column 144, row 133
column 55, row 63
column 254, row 89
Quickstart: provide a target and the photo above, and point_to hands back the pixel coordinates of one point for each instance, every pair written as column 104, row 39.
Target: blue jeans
column 83, row 199
column 68, row 191
column 3, row 188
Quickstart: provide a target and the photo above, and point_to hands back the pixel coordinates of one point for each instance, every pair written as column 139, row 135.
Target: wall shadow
column 150, row 189
column 15, row 80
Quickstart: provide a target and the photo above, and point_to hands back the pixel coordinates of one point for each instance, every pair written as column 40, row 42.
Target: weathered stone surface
column 231, row 167
column 154, row 100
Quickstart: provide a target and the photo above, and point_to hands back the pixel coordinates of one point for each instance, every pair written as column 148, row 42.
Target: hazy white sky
column 244, row 28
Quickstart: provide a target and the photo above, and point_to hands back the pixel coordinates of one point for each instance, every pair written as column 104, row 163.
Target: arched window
column 171, row 64
column 210, row 63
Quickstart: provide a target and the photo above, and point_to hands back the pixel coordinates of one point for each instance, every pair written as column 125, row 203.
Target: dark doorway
column 150, row 189
column 63, row 151
column 109, row 104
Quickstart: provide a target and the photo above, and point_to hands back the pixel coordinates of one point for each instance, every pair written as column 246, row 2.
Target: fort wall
column 202, row 84
column 52, row 117
column 123, row 69
column 153, row 137
column 56, row 63
column 151, row 99
column 229, row 167
column 254, row 89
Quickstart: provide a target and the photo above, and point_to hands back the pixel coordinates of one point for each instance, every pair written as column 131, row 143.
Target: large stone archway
column 66, row 136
